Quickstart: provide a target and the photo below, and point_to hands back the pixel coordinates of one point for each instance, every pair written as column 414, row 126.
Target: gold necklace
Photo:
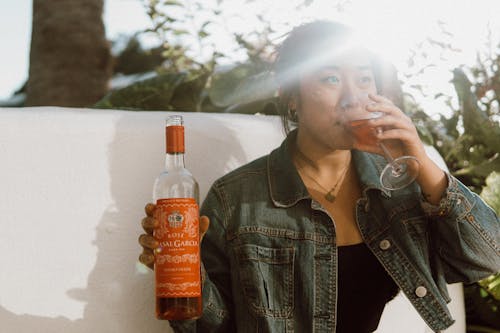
column 329, row 194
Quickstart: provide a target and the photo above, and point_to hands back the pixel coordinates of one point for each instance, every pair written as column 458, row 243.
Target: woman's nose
column 349, row 102
column 353, row 98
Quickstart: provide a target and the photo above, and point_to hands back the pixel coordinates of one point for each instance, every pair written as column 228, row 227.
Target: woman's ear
column 292, row 103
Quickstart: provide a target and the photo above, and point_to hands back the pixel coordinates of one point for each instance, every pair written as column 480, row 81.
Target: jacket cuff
column 452, row 197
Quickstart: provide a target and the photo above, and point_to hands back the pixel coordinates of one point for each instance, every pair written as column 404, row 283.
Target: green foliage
column 151, row 94
column 134, row 59
column 241, row 88
column 468, row 139
column 476, row 152
column 491, row 192
column 475, row 158
column 492, row 286
column 173, row 22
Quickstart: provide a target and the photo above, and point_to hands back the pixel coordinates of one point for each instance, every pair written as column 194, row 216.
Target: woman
column 306, row 239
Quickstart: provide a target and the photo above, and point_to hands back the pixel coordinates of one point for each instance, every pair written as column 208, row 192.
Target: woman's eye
column 331, row 79
column 365, row 79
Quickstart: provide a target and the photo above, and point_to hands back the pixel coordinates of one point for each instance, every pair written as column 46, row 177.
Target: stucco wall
column 73, row 184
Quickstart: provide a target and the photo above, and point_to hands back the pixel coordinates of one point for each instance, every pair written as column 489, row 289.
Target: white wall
column 73, row 184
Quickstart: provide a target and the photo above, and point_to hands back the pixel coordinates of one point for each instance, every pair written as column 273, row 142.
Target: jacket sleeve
column 466, row 232
column 216, row 291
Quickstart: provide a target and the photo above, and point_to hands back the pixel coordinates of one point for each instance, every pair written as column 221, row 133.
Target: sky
column 391, row 27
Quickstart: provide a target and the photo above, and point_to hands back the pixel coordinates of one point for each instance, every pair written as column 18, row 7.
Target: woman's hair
column 302, row 52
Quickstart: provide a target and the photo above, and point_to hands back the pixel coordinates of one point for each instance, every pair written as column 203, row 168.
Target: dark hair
column 300, row 52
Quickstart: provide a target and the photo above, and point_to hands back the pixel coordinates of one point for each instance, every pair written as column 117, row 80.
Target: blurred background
column 215, row 55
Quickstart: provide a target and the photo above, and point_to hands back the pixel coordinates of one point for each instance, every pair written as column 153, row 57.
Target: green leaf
column 492, row 285
column 481, row 170
column 491, row 192
column 476, row 121
column 203, row 34
column 173, row 3
column 179, row 32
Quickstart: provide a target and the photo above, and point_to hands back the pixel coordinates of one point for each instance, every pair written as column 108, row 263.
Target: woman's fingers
column 395, row 134
column 147, row 258
column 150, row 244
column 148, row 241
column 393, row 116
column 149, row 224
column 387, row 108
column 380, row 99
column 398, row 131
column 150, row 209
column 393, row 121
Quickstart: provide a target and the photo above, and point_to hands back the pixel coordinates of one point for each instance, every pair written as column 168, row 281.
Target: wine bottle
column 177, row 259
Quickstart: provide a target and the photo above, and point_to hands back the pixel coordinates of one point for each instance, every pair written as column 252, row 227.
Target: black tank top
column 364, row 287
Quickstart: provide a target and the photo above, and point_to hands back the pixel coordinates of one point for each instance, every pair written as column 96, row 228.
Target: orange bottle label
column 177, row 261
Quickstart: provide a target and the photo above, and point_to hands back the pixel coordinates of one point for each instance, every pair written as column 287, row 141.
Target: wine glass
column 399, row 172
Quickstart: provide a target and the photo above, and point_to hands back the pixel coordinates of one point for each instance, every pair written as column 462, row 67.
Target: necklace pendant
column 329, row 197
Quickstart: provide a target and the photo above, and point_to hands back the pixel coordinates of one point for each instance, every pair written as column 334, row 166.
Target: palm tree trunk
column 70, row 60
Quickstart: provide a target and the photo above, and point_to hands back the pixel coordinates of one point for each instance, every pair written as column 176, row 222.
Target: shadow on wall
column 119, row 294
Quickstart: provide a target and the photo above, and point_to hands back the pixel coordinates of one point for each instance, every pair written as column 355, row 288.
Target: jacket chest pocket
column 266, row 277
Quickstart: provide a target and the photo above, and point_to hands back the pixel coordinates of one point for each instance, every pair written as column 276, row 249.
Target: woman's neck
column 325, row 163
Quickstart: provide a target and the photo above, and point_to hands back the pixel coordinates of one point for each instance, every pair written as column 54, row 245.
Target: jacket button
column 384, row 244
column 421, row 291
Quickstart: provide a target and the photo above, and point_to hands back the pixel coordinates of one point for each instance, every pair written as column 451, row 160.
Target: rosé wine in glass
column 399, row 172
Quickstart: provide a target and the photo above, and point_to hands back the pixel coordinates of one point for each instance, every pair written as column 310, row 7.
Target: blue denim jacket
column 270, row 253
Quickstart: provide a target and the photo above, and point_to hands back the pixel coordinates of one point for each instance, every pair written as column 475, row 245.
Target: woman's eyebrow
column 329, row 68
column 336, row 68
column 364, row 68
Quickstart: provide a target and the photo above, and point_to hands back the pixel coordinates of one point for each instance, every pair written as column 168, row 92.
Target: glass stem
column 397, row 170
column 387, row 154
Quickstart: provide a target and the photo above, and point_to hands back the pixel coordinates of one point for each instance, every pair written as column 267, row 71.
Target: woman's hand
column 149, row 243
column 399, row 134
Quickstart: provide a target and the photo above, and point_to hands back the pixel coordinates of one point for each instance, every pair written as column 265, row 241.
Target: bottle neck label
column 175, row 139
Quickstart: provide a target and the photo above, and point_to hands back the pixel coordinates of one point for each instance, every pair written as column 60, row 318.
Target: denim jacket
column 270, row 253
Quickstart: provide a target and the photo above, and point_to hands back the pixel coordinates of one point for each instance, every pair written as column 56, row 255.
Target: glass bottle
column 177, row 260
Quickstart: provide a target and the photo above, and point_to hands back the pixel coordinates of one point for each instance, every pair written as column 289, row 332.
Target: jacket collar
column 287, row 188
column 368, row 168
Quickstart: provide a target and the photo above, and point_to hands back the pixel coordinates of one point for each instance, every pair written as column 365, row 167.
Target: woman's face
column 340, row 86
